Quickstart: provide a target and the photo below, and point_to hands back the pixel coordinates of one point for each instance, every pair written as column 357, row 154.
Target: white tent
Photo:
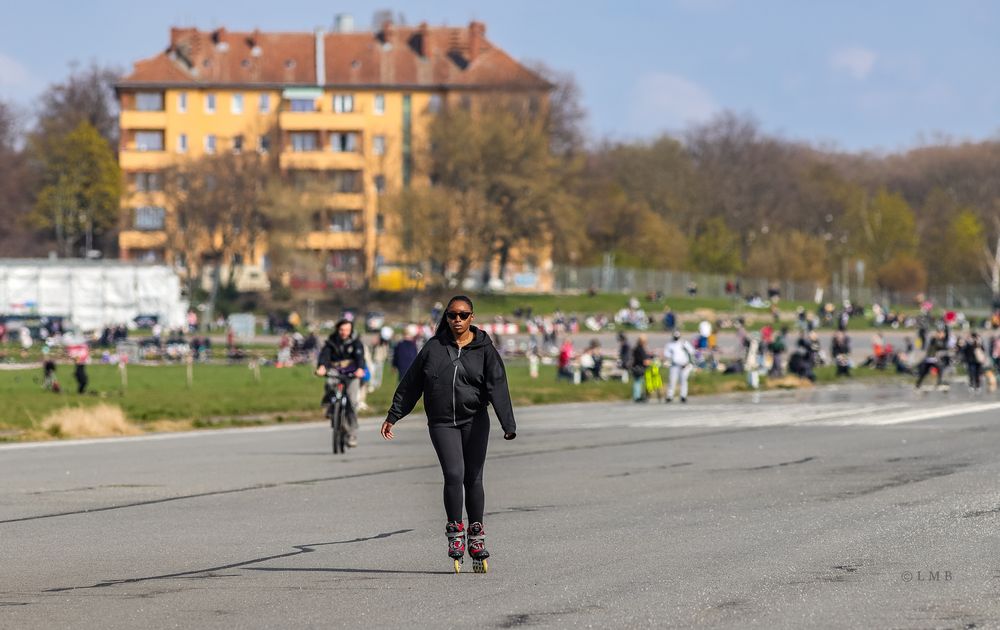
column 92, row 294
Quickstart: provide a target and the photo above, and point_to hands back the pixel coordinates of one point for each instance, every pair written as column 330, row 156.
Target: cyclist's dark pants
column 462, row 452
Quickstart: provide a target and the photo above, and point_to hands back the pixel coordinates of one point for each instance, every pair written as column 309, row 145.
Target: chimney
column 320, row 57
column 477, row 37
column 387, row 31
column 343, row 23
column 425, row 41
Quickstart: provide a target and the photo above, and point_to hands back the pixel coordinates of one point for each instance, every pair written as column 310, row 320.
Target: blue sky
column 879, row 75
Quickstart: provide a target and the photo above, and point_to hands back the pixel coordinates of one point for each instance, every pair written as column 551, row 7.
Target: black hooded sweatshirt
column 456, row 383
column 336, row 349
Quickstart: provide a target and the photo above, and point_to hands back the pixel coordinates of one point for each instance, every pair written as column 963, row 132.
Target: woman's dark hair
column 442, row 328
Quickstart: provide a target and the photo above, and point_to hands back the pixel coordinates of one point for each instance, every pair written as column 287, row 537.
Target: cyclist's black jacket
column 336, row 349
column 457, row 384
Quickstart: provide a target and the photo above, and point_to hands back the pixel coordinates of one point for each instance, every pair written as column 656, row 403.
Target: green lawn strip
column 229, row 396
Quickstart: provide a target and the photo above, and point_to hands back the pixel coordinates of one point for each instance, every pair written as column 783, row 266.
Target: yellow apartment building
column 343, row 110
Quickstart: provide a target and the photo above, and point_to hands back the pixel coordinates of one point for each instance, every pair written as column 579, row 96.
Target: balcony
column 135, row 119
column 132, row 160
column 334, row 240
column 136, row 239
column 324, row 121
column 320, row 160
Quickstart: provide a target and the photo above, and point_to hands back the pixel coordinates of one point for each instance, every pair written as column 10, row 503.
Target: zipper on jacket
column 454, row 377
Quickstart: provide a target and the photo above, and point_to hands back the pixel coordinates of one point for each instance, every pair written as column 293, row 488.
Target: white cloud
column 12, row 73
column 663, row 100
column 856, row 61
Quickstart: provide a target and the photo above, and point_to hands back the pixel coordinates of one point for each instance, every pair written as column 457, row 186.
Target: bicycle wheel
column 336, row 421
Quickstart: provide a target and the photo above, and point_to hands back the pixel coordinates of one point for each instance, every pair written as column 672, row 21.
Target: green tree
column 496, row 161
column 716, row 249
column 791, row 255
column 81, row 187
column 902, row 273
column 881, row 227
column 962, row 260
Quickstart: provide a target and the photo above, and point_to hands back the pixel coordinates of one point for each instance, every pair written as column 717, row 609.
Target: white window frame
column 264, row 104
column 150, row 94
column 143, row 147
column 343, row 103
column 182, row 143
column 378, row 144
column 379, row 107
column 211, row 144
column 182, row 102
column 210, row 102
column 236, row 103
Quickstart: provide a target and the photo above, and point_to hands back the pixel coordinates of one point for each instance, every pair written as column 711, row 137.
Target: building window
column 346, row 181
column 210, row 103
column 378, row 145
column 380, row 223
column 236, row 104
column 146, row 181
column 210, row 143
column 264, row 104
column 343, row 103
column 302, row 105
column 434, row 104
column 149, row 101
column 237, row 143
column 304, row 141
column 263, row 144
column 346, row 142
column 343, row 221
column 182, row 143
column 149, row 141
column 380, row 184
column 380, row 104
column 182, row 102
column 149, row 218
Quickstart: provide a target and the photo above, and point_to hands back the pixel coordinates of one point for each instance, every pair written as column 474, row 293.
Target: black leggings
column 462, row 453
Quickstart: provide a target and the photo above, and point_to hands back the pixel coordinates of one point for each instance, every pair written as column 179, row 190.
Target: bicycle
column 338, row 408
column 338, row 403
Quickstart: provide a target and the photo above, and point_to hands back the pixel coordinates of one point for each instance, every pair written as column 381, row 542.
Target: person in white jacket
column 680, row 355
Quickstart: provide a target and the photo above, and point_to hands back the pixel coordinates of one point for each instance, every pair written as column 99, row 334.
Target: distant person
column 976, row 360
column 80, row 354
column 639, row 362
column 934, row 358
column 840, row 350
column 405, row 351
column 679, row 353
column 565, row 359
column 50, row 381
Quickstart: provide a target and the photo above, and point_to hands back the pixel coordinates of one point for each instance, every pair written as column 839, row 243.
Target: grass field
column 229, row 395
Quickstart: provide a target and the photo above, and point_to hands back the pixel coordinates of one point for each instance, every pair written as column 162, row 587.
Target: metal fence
column 612, row 279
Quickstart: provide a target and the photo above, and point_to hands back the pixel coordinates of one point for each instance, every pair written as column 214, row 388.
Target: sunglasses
column 462, row 315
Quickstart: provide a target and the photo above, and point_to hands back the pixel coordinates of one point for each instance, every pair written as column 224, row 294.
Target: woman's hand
column 509, row 436
column 387, row 430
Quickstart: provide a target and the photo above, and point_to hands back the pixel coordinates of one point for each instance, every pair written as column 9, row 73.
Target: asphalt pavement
column 846, row 506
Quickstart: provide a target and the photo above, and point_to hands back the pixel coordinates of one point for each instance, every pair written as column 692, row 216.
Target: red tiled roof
column 396, row 55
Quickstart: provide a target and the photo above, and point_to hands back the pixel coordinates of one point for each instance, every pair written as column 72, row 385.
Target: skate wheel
column 480, row 566
column 458, row 566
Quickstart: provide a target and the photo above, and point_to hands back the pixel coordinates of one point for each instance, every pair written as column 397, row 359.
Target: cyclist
column 344, row 352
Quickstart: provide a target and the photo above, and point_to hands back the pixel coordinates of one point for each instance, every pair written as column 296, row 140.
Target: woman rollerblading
column 458, row 373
